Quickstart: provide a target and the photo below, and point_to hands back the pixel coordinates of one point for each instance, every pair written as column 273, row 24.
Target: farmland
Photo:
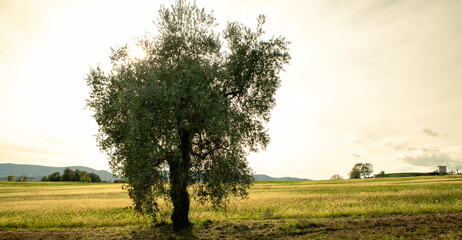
column 422, row 207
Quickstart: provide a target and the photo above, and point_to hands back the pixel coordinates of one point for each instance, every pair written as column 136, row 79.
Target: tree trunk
column 179, row 180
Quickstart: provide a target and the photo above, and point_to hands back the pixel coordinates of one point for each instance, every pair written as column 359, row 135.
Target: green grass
column 410, row 174
column 45, row 205
column 319, row 199
column 58, row 205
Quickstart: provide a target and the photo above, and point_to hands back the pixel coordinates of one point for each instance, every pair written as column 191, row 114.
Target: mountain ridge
column 35, row 172
column 266, row 178
column 38, row 171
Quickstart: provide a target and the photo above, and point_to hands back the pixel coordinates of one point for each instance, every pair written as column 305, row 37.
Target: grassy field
column 273, row 209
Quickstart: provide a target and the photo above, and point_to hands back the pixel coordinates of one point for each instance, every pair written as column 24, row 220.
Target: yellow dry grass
column 57, row 205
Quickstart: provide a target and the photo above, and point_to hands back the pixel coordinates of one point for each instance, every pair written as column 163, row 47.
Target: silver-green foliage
column 189, row 112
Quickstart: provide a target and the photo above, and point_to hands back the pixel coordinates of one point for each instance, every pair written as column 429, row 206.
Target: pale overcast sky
column 369, row 81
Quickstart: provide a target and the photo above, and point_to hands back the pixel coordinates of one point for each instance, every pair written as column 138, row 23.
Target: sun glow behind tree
column 190, row 111
column 366, row 77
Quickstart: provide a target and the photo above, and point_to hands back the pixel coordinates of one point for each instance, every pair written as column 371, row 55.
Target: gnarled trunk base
column 179, row 180
column 180, row 199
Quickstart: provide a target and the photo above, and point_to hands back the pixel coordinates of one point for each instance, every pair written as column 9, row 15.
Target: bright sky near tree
column 376, row 81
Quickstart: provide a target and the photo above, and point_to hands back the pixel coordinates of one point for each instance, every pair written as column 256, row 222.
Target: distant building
column 441, row 169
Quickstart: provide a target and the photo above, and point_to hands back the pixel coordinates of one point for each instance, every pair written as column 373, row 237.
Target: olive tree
column 180, row 122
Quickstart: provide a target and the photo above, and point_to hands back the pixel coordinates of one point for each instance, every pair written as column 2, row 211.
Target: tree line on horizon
column 70, row 175
column 22, row 178
column 364, row 170
column 359, row 170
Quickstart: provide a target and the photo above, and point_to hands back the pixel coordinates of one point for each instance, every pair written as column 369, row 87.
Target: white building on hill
column 441, row 169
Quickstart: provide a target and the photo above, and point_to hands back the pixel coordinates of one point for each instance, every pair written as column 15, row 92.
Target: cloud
column 354, row 137
column 396, row 145
column 356, row 155
column 431, row 156
column 429, row 132
column 423, row 155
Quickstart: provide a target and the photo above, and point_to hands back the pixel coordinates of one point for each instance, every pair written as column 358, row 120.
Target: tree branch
column 233, row 93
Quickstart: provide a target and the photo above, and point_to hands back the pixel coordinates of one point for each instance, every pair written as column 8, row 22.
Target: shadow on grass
column 207, row 229
column 418, row 226
column 409, row 226
column 162, row 231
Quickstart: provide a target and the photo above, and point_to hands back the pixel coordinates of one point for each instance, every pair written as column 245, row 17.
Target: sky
column 375, row 81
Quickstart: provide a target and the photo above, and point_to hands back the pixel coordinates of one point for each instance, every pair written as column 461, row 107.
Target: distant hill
column 36, row 172
column 264, row 178
column 408, row 174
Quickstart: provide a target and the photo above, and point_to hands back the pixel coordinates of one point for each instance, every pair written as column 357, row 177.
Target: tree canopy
column 354, row 173
column 336, row 177
column 361, row 169
column 189, row 112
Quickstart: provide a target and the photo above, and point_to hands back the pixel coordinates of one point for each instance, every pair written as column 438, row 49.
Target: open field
column 421, row 207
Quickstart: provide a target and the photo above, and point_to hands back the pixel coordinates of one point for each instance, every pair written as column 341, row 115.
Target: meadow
column 272, row 210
